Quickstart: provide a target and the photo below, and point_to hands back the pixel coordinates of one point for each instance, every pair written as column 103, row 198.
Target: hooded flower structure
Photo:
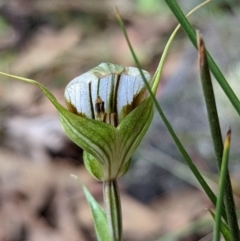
column 115, row 95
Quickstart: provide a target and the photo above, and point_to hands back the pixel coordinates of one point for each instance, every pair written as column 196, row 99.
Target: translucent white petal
column 117, row 87
column 78, row 94
column 130, row 85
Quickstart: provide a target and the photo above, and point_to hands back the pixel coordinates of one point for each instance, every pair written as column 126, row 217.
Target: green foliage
column 213, row 119
column 231, row 213
column 221, row 190
column 152, row 88
column 189, row 30
column 99, row 216
column 220, row 152
column 223, row 228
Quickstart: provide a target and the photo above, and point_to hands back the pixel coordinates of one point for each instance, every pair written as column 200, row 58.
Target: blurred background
column 53, row 41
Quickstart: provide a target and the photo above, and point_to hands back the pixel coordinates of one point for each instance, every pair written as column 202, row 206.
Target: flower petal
column 120, row 88
column 131, row 91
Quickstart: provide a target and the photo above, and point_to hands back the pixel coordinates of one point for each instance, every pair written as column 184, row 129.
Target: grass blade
column 216, row 133
column 212, row 65
column 210, row 102
column 222, row 181
column 224, row 228
column 158, row 73
column 178, row 143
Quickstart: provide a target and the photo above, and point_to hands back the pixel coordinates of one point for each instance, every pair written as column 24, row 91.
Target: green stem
column 113, row 209
column 217, row 138
column 210, row 102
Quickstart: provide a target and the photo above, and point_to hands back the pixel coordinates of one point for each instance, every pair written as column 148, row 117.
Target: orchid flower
column 115, row 95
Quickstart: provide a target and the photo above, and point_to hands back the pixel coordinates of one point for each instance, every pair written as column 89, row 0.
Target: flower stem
column 113, row 209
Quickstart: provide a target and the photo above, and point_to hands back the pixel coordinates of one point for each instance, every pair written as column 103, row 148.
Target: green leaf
column 221, row 188
column 98, row 214
column 232, row 218
column 216, row 133
column 224, row 228
column 210, row 102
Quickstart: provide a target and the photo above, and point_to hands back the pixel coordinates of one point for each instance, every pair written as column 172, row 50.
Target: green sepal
column 129, row 134
column 99, row 171
column 133, row 128
column 95, row 137
column 93, row 166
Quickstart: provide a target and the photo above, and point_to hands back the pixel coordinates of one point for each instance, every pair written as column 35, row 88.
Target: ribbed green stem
column 113, row 209
column 217, row 138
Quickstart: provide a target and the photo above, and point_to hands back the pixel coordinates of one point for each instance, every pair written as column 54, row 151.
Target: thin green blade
column 216, row 133
column 224, row 228
column 98, row 214
column 234, row 232
column 212, row 65
column 178, row 143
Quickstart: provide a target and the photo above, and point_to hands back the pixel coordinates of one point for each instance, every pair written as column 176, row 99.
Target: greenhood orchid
column 115, row 95
column 109, row 112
